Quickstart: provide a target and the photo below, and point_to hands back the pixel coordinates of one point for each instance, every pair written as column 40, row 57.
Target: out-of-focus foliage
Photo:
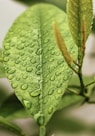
column 60, row 3
column 93, row 25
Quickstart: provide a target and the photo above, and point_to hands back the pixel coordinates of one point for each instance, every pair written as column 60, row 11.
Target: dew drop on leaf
column 10, row 76
column 52, row 78
column 11, row 71
column 51, row 60
column 29, row 69
column 51, row 91
column 14, row 85
column 35, row 93
column 41, row 120
column 50, row 110
column 6, row 59
column 27, row 104
column 24, row 76
column 24, row 86
column 17, row 61
column 59, row 91
column 39, row 51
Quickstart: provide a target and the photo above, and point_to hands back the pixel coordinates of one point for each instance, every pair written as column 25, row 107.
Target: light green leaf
column 79, row 10
column 34, row 64
column 2, row 70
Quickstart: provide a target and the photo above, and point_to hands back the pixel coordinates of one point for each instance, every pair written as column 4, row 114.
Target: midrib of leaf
column 41, row 62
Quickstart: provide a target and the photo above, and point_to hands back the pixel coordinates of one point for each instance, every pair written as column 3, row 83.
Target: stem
column 90, row 84
column 80, row 63
column 42, row 131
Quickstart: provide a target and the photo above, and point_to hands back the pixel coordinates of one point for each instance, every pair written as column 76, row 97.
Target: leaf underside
column 79, row 10
column 34, row 65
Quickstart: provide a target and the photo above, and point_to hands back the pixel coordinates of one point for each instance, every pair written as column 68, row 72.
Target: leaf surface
column 79, row 10
column 34, row 64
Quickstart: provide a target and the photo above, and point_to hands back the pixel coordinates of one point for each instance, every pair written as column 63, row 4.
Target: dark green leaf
column 12, row 108
column 59, row 3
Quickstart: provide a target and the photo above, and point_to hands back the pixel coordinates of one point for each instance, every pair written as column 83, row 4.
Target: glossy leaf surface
column 34, row 64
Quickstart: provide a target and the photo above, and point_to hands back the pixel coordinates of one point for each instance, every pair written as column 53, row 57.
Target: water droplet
column 33, row 61
column 7, row 47
column 10, row 77
column 38, row 67
column 59, row 91
column 39, row 51
column 21, row 53
column 50, row 48
column 38, row 72
column 29, row 69
column 14, row 85
column 24, row 76
column 59, row 85
column 60, row 61
column 58, row 73
column 52, row 52
column 6, row 59
column 6, row 53
column 17, row 78
column 41, row 119
column 27, row 104
column 20, row 47
column 11, row 71
column 24, row 86
column 51, row 60
column 32, row 45
column 51, row 91
column 57, row 97
column 17, row 61
column 52, row 78
column 50, row 110
column 65, row 78
column 35, row 93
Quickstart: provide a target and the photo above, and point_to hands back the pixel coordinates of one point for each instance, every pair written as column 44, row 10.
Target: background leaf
column 34, row 65
column 59, row 3
column 78, row 10
column 11, row 108
column 6, row 125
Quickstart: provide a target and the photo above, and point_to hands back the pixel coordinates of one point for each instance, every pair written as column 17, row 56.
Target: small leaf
column 77, row 10
column 61, row 44
column 35, row 67
column 9, row 111
column 4, row 124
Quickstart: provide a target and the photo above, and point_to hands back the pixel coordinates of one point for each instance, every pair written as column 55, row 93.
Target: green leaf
column 59, row 3
column 2, row 70
column 78, row 10
column 34, row 65
column 6, row 125
column 70, row 100
column 9, row 111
